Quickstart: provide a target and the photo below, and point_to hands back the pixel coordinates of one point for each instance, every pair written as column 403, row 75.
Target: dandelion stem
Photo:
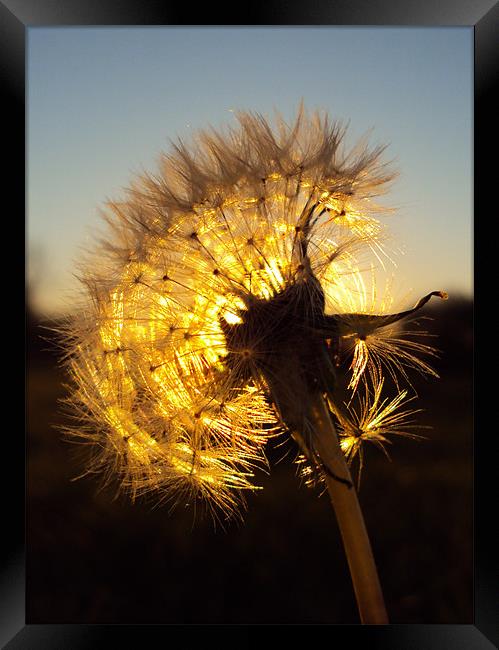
column 350, row 520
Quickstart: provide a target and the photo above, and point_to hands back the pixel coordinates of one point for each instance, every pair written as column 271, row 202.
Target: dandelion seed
column 377, row 418
column 377, row 343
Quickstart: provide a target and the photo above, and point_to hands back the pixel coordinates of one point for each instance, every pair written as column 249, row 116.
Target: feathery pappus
column 218, row 302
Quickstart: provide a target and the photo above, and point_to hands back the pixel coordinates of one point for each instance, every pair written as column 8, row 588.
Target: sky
column 102, row 103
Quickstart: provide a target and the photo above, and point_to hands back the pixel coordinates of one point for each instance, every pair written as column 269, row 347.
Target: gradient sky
column 103, row 103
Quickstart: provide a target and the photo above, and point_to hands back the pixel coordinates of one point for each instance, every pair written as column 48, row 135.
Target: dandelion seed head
column 207, row 302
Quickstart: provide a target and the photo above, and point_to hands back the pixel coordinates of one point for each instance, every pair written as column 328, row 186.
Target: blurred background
column 93, row 559
column 101, row 105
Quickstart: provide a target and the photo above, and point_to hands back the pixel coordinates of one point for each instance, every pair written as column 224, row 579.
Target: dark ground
column 92, row 559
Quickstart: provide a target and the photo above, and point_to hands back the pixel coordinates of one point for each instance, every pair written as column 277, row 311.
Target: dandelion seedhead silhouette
column 228, row 293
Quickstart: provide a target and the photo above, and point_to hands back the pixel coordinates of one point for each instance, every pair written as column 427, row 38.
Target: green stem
column 350, row 520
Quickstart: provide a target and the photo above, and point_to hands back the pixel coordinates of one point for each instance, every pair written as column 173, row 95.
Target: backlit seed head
column 219, row 286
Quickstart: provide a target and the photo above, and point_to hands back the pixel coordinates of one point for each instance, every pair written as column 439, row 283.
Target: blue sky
column 103, row 103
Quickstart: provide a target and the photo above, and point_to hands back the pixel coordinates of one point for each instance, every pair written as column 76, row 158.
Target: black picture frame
column 16, row 16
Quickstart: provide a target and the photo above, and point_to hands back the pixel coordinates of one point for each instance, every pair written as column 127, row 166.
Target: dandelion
column 209, row 326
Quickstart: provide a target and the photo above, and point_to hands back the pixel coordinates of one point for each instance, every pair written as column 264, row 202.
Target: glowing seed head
column 213, row 290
